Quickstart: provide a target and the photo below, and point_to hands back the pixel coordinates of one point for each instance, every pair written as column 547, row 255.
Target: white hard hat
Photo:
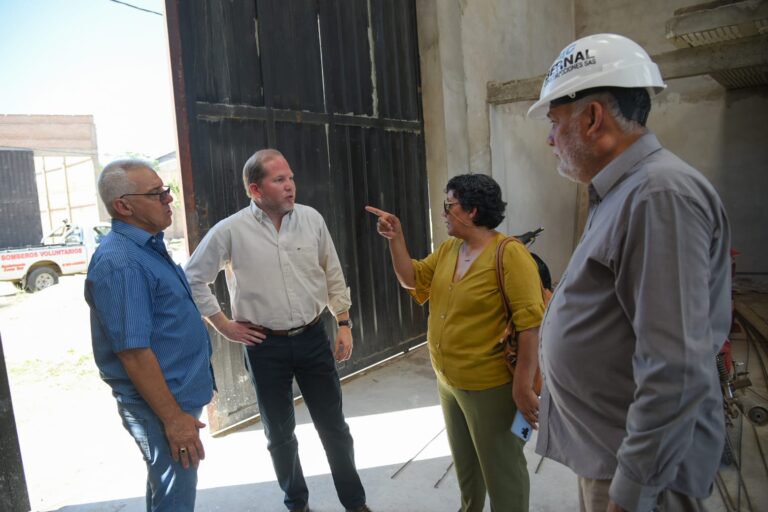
column 600, row 60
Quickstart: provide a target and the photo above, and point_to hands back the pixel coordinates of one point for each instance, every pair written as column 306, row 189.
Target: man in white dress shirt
column 282, row 271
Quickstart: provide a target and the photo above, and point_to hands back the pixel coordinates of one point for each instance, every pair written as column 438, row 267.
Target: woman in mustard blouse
column 466, row 323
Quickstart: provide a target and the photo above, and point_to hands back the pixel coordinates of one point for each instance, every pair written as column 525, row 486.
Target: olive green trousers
column 487, row 456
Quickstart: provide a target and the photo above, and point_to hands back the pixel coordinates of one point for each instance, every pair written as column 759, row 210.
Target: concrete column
column 443, row 99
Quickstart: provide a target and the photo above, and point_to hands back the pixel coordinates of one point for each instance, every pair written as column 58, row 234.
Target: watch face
column 347, row 323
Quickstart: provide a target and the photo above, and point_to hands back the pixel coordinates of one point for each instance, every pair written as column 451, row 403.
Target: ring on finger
column 183, row 451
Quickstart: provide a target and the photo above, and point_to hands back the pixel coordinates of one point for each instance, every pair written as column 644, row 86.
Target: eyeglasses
column 447, row 206
column 162, row 195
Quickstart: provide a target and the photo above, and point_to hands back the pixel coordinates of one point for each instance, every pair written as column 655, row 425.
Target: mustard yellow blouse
column 466, row 318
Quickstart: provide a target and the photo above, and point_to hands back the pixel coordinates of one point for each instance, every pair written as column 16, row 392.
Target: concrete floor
column 78, row 458
column 395, row 418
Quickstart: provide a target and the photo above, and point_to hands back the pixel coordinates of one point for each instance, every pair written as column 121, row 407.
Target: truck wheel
column 41, row 278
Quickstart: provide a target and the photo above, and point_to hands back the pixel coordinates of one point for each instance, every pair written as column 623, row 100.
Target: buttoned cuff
column 631, row 495
column 341, row 303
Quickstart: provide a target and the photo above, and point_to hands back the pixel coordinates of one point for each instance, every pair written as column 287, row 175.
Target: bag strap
column 545, row 294
column 500, row 273
column 511, row 358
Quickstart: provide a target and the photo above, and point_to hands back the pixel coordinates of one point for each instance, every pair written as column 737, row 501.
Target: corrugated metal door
column 334, row 85
column 19, row 203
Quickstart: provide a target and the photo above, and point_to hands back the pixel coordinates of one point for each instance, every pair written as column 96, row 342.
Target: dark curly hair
column 481, row 192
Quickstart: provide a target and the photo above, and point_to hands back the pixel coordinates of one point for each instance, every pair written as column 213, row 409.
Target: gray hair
column 114, row 180
column 253, row 170
column 611, row 105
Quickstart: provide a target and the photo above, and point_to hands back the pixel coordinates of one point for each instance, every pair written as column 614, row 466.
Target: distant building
column 66, row 164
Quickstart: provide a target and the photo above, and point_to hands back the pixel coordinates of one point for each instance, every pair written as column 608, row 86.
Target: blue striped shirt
column 139, row 298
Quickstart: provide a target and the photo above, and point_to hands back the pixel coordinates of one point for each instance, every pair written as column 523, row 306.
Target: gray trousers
column 593, row 497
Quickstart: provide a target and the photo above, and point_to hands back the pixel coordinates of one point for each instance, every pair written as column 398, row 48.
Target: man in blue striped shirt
column 149, row 340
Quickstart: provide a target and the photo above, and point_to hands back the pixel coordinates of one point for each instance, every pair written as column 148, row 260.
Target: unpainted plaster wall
column 721, row 133
column 464, row 44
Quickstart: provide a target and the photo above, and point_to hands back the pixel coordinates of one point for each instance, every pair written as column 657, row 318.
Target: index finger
column 377, row 212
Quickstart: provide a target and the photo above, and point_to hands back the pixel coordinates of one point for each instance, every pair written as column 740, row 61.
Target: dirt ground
column 60, row 403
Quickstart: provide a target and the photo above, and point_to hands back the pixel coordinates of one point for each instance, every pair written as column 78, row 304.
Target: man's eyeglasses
column 447, row 206
column 162, row 195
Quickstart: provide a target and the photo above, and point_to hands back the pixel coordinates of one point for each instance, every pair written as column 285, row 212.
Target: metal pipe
column 445, row 473
column 760, row 449
column 401, row 468
column 725, row 495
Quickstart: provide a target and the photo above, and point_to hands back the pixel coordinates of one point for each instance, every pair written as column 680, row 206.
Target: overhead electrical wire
column 136, row 7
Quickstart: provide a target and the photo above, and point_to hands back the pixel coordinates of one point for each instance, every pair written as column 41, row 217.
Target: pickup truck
column 66, row 250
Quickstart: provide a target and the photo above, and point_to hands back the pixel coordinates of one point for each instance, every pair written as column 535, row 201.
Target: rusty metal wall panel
column 344, row 29
column 19, row 202
column 290, row 52
column 322, row 82
column 385, row 169
column 224, row 146
column 224, row 37
column 397, row 58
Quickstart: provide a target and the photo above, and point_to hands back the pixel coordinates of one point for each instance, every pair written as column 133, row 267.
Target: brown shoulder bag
column 509, row 338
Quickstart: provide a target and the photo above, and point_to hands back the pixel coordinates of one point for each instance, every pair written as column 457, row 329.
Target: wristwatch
column 345, row 323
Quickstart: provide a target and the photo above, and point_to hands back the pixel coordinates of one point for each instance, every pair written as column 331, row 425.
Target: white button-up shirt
column 278, row 279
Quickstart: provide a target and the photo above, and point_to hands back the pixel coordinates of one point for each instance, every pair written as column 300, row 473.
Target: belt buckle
column 296, row 331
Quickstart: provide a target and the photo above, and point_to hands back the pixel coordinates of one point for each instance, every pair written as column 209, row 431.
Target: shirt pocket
column 304, row 257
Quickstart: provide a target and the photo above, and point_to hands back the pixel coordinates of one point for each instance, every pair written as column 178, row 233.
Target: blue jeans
column 308, row 357
column 170, row 487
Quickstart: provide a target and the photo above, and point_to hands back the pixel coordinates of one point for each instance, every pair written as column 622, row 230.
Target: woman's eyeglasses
column 447, row 206
column 162, row 195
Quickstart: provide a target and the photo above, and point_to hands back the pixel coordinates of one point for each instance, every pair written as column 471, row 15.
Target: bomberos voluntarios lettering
column 41, row 254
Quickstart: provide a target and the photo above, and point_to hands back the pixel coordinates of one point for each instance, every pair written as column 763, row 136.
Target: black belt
column 290, row 332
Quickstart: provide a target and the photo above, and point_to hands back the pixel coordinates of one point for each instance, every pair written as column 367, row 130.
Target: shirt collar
column 134, row 233
column 259, row 214
column 622, row 166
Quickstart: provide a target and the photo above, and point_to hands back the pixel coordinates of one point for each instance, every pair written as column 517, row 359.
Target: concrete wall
column 49, row 135
column 722, row 133
column 464, row 44
column 523, row 163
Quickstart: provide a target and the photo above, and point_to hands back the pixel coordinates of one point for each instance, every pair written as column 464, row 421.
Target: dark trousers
column 308, row 357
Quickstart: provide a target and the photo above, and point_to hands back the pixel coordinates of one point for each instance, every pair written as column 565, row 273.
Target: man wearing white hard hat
column 631, row 399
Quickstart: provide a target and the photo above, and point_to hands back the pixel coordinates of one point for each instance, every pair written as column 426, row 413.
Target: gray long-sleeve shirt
column 629, row 340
